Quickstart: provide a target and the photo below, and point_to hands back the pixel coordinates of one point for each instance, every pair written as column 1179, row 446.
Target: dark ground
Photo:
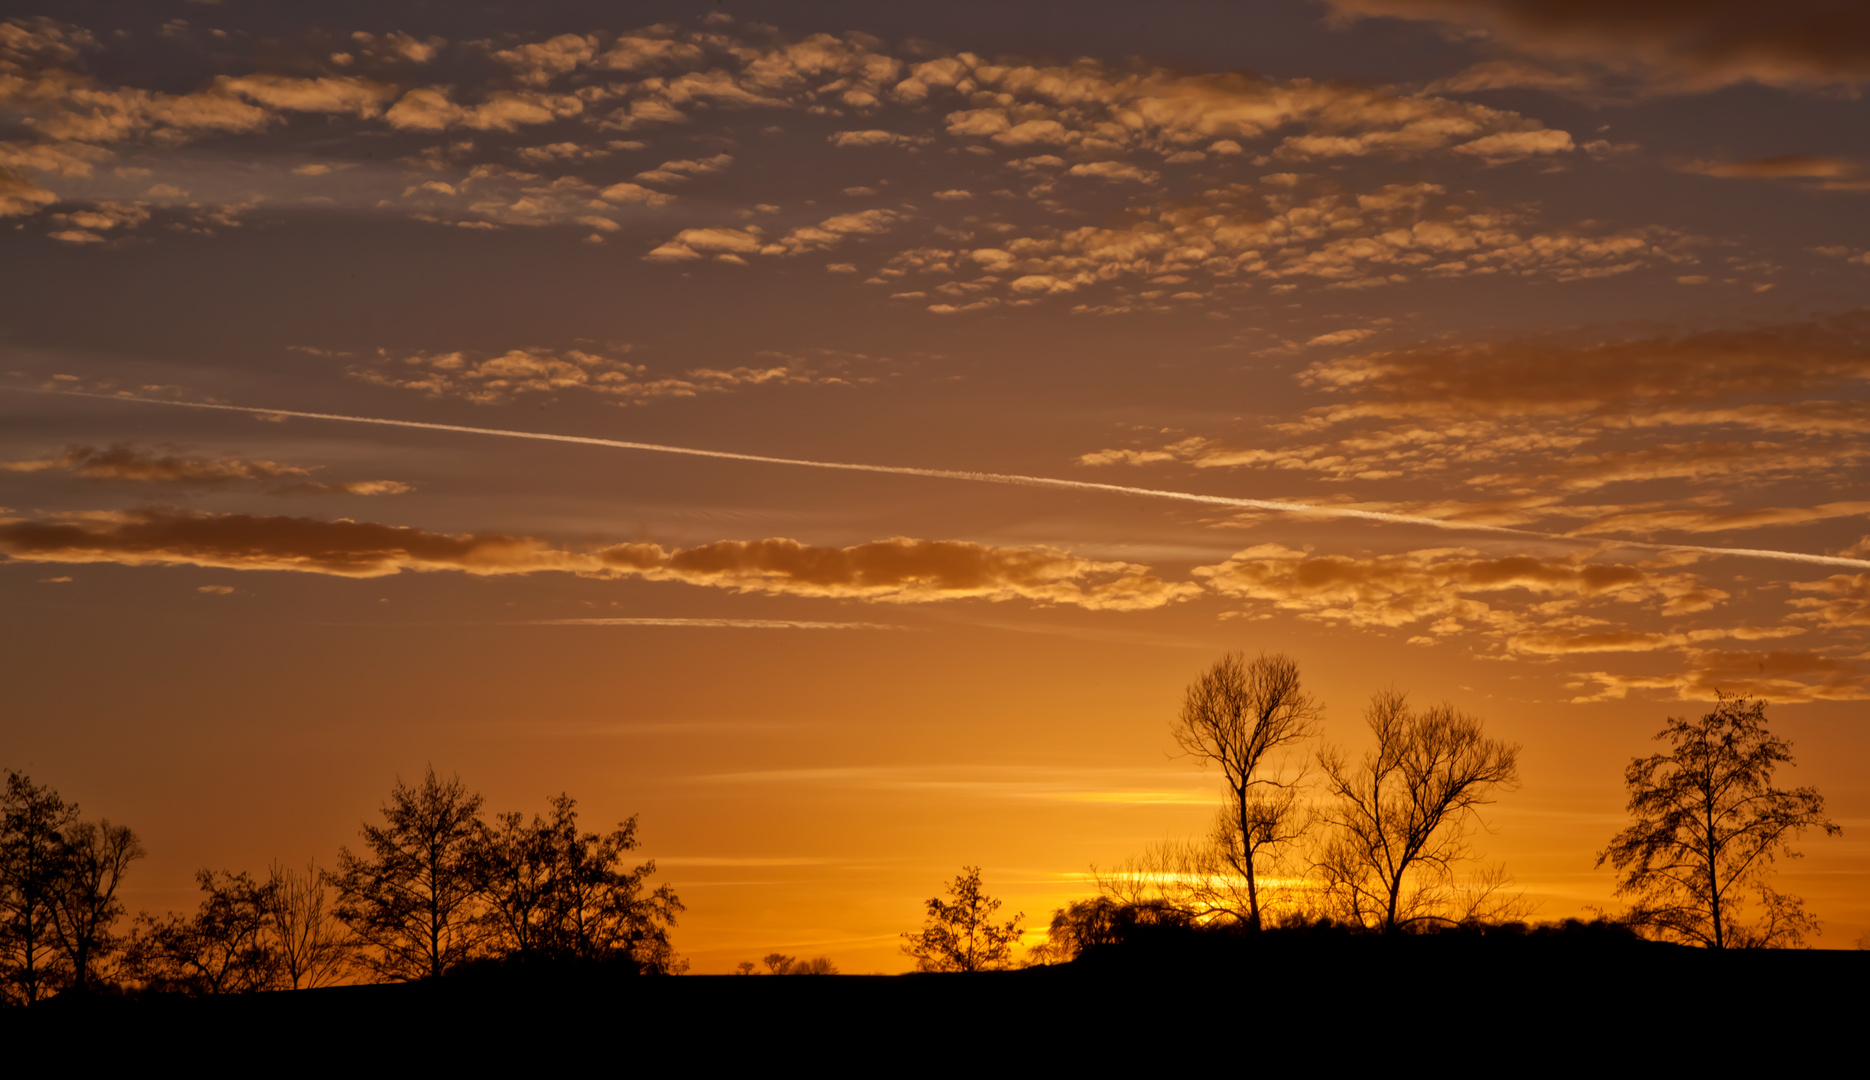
column 1442, row 1004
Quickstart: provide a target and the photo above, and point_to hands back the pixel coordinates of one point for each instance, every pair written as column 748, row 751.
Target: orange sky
column 1456, row 350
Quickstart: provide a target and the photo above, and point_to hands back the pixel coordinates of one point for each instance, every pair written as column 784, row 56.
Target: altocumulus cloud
column 1441, row 587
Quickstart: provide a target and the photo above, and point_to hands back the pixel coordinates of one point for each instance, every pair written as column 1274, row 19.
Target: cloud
column 691, row 244
column 537, row 63
column 1842, row 600
column 1542, row 376
column 124, row 462
column 832, row 231
column 1313, row 231
column 1115, row 171
column 486, row 379
column 1783, row 166
column 905, row 570
column 1517, row 145
column 430, row 109
column 1780, row 676
column 19, row 196
column 58, row 158
column 874, row 137
column 343, row 548
column 674, row 172
column 897, row 570
column 1342, row 337
column 334, row 95
column 1562, row 643
column 1720, row 520
column 1825, row 173
column 634, row 193
column 1670, row 46
column 736, row 624
column 1440, row 586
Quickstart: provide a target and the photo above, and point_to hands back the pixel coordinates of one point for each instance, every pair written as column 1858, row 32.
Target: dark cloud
column 1779, row 676
column 248, row 542
column 1670, row 45
column 895, row 570
column 1535, row 376
column 125, row 462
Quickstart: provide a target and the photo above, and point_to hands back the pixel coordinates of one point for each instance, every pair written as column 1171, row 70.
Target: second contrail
column 988, row 478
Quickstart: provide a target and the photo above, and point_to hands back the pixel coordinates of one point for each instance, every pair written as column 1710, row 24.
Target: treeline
column 1311, row 839
column 437, row 887
column 1307, row 832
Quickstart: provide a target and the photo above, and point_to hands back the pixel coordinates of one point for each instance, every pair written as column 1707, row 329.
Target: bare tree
column 97, row 855
column 413, row 899
column 1242, row 715
column 1709, row 825
column 1402, row 815
column 314, row 949
column 32, row 864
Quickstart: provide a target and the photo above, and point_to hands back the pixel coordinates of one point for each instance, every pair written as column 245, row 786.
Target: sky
column 836, row 433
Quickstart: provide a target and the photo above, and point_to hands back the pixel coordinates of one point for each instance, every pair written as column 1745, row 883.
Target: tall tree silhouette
column 1240, row 715
column 1709, row 826
column 1402, row 814
column 314, row 948
column 32, row 864
column 97, row 855
column 412, row 897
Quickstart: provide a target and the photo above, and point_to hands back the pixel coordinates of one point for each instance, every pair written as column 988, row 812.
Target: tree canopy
column 1709, row 825
column 961, row 934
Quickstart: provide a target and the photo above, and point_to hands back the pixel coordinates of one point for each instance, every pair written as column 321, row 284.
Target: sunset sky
column 1512, row 353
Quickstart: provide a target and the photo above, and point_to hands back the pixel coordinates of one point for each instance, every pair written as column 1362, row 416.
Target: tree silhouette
column 411, row 898
column 1401, row 817
column 1240, row 714
column 314, row 948
column 85, row 904
column 1709, row 825
column 555, row 892
column 960, row 934
column 229, row 946
column 781, row 964
column 32, row 864
column 1081, row 925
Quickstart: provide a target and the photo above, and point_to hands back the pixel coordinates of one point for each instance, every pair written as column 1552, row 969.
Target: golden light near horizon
column 837, row 437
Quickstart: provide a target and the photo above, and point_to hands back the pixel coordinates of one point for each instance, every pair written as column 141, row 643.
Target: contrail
column 990, row 478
